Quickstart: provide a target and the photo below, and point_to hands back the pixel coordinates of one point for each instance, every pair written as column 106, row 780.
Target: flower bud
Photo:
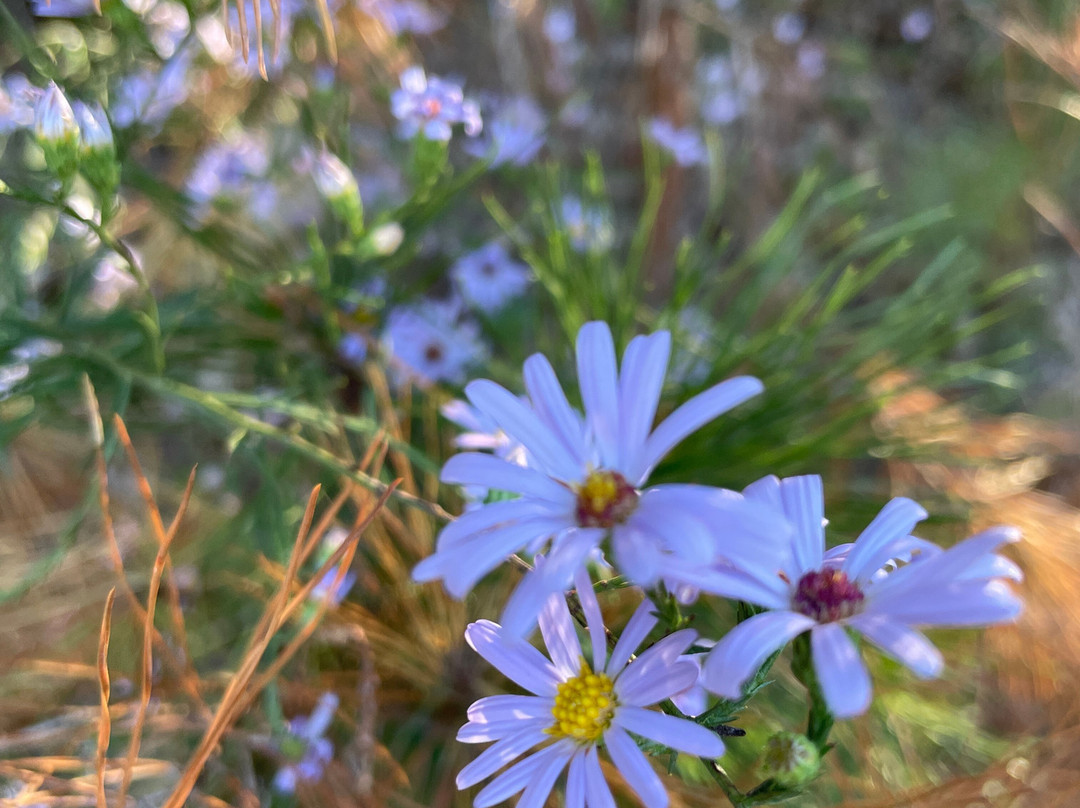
column 57, row 131
column 336, row 182
column 386, row 238
column 98, row 153
column 790, row 759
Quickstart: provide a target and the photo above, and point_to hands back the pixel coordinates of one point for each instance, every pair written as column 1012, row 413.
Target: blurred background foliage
column 884, row 229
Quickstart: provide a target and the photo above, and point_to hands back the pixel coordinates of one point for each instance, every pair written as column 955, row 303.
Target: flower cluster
column 578, row 482
column 432, row 105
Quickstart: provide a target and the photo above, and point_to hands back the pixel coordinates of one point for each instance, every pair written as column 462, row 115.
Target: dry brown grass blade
column 172, row 591
column 256, row 7
column 104, row 722
column 186, row 675
column 328, row 30
column 160, row 563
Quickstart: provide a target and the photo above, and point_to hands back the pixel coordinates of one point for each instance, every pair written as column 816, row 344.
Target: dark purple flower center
column 433, row 352
column 605, row 499
column 827, row 596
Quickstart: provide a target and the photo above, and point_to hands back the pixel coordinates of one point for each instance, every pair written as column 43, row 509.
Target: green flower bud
column 98, row 153
column 57, row 132
column 790, row 759
column 336, row 182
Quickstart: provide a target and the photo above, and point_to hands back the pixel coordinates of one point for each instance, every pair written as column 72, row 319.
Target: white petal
column 521, row 610
column 635, row 768
column 513, row 657
column 658, row 674
column 903, row 644
column 598, row 378
column 499, row 754
column 895, row 521
column 840, row 671
column 766, row 491
column 506, row 706
column 770, row 592
column 804, row 505
column 477, row 468
column 491, row 515
column 524, row 426
column 640, row 383
column 542, row 782
column 514, row 779
column 560, row 637
column 597, row 792
column 677, row 733
column 693, row 415
column 575, row 782
column 593, row 617
column 637, row 629
column 963, row 603
column 741, row 652
column 486, row 731
column 550, row 402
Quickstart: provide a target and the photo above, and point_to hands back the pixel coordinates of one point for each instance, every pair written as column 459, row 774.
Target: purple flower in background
column 427, row 343
column 308, row 746
column 432, row 105
column 18, row 97
column 94, row 130
column 684, row 145
column 481, row 432
column 226, row 169
column 577, row 705
column 148, row 97
column 406, row 16
column 353, row 348
column 589, row 227
column 917, row 25
column 63, row 8
column 489, row 277
column 882, row 586
column 585, row 481
column 54, row 119
column 729, row 85
column 326, row 586
column 789, row 27
column 514, row 135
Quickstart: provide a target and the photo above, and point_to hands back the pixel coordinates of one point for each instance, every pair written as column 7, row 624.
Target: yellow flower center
column 605, row 499
column 584, row 706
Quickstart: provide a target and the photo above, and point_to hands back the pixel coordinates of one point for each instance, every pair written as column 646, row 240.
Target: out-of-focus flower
column 488, row 277
column 18, row 97
column 729, row 85
column 226, row 169
column 917, row 25
column 513, row 135
column 112, row 282
column 585, row 484
column 353, row 348
column 333, row 586
column 811, row 60
column 64, row 8
column 306, row 746
column 94, row 130
column 332, row 177
column 148, row 96
column 429, row 343
column 386, row 238
column 576, row 706
column 54, row 119
column 858, row 586
column 167, row 23
column 405, row 16
column 589, row 227
column 560, row 25
column 683, row 144
column 482, row 433
column 24, row 355
column 432, row 105
column 789, row 27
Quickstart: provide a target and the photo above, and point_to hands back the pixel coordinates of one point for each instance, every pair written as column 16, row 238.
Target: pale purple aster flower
column 167, row 23
column 683, row 144
column 94, row 130
column 405, row 16
column 488, row 277
column 333, row 587
column 514, row 135
column 917, row 25
column 148, row 97
column 353, row 348
column 63, row 8
column 789, row 27
column 585, row 481
column 18, row 97
column 578, row 704
column 226, row 169
column 588, row 226
column 429, row 343
column 481, row 432
column 858, row 586
column 728, row 86
column 54, row 119
column 312, row 749
column 432, row 105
